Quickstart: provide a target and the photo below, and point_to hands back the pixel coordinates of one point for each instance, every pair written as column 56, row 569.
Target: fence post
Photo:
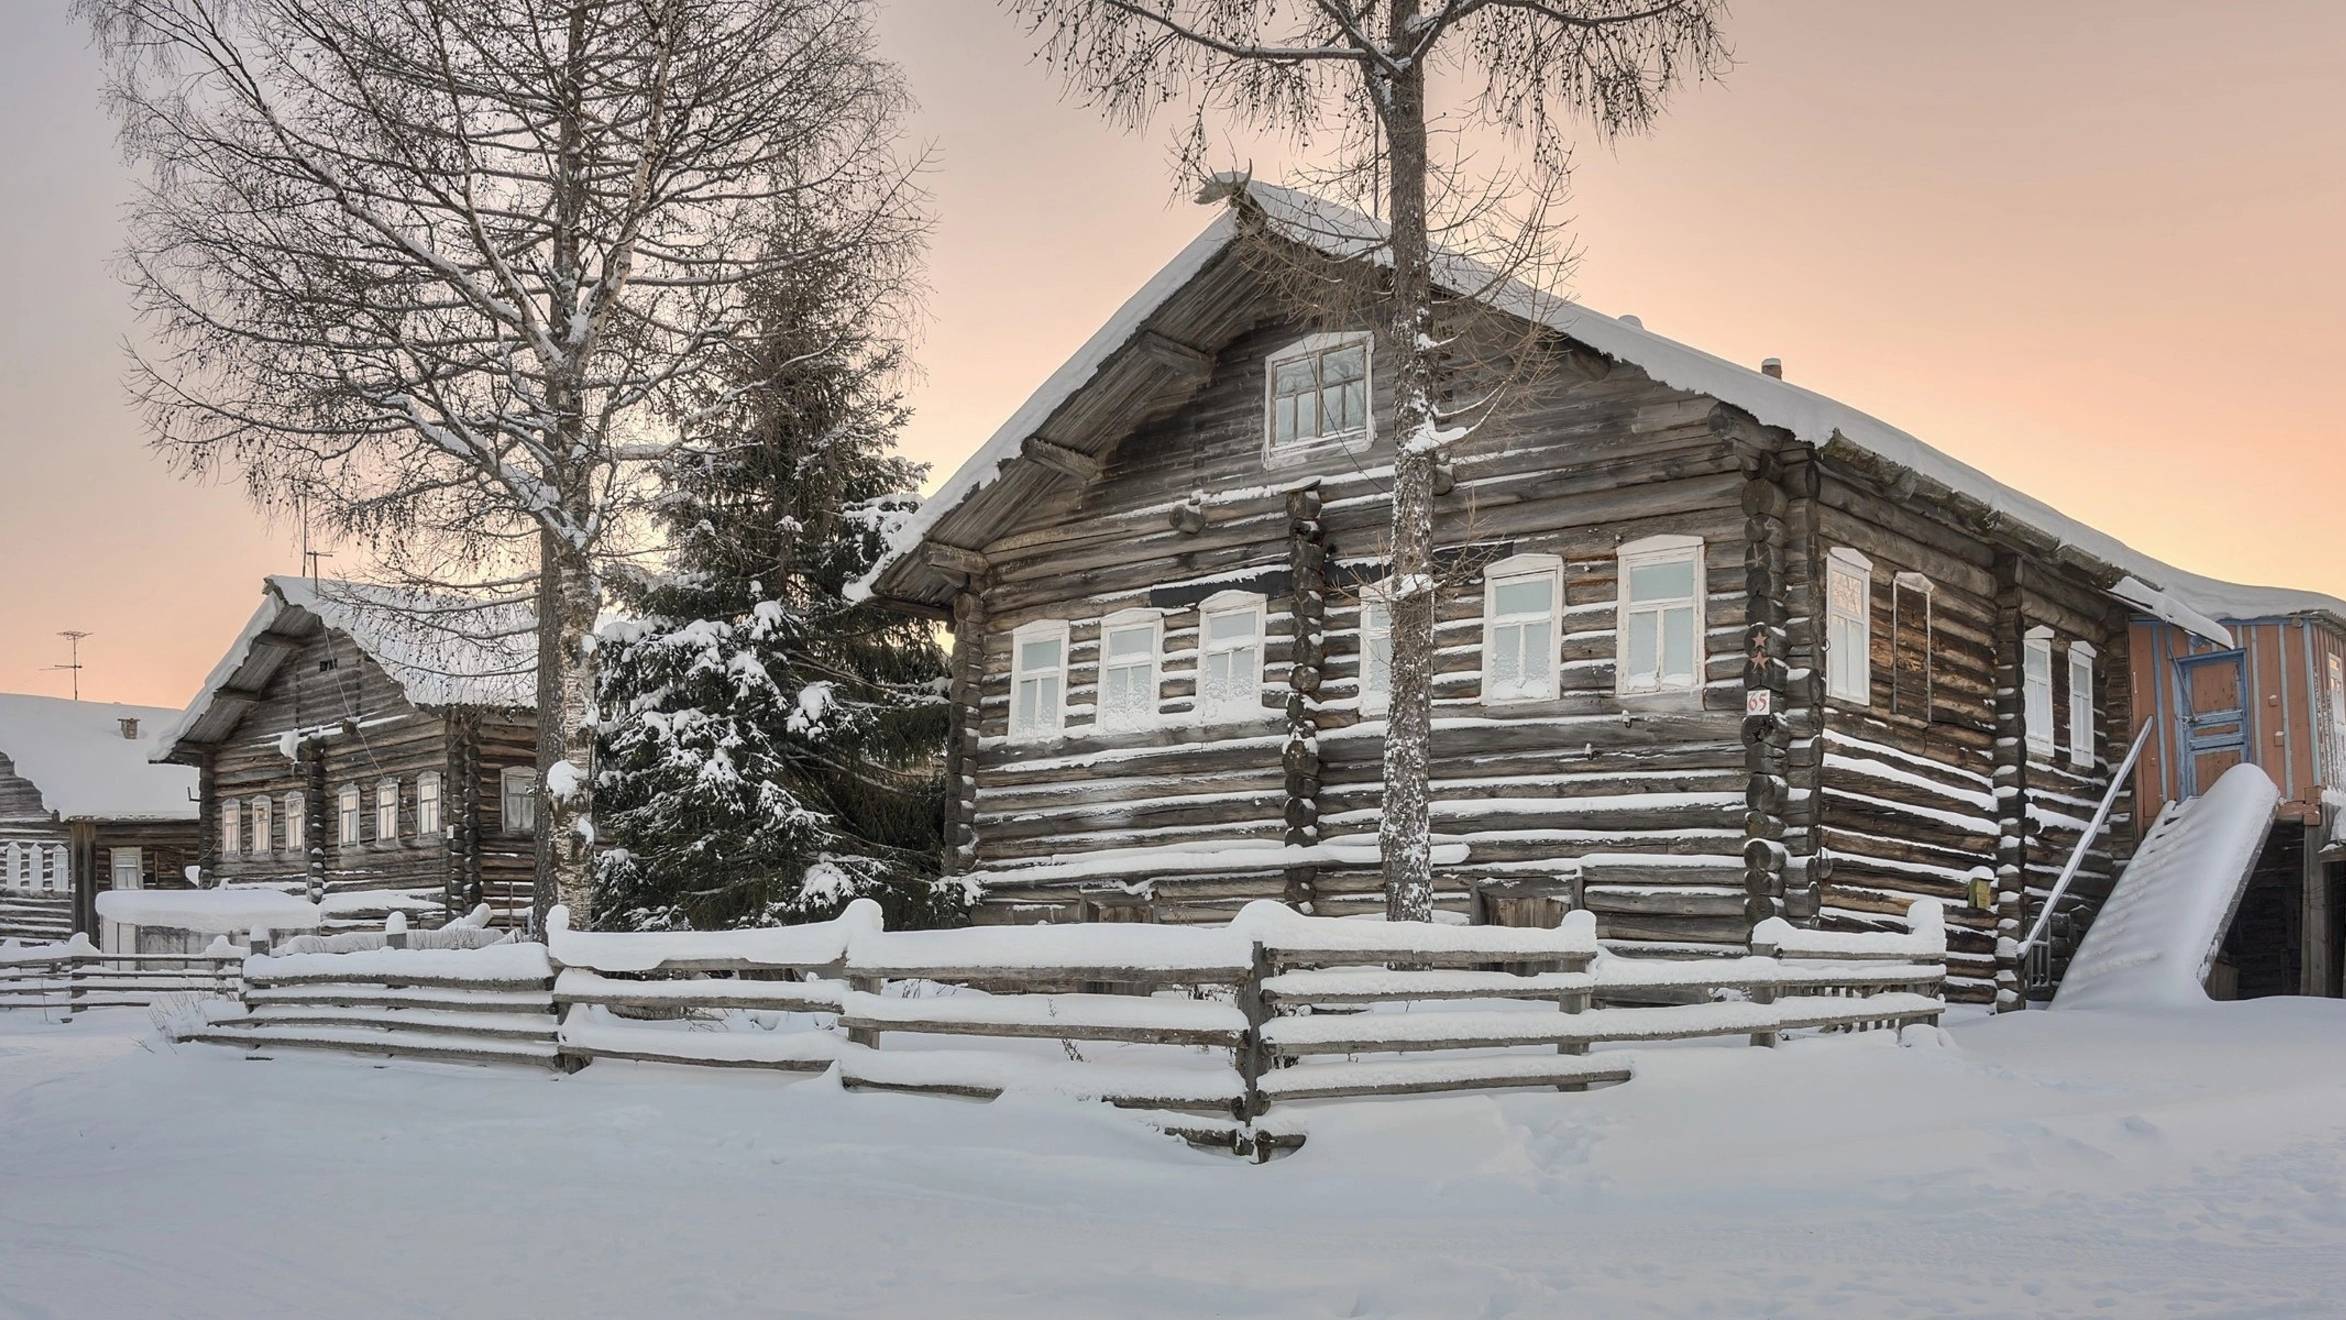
column 74, row 963
column 1576, row 1002
column 1254, row 1056
column 869, row 985
column 395, row 931
column 1765, row 993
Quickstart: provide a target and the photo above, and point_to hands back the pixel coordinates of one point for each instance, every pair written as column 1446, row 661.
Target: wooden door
column 2212, row 691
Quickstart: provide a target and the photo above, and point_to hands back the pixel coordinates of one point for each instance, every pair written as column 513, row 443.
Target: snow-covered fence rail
column 73, row 975
column 1273, row 1008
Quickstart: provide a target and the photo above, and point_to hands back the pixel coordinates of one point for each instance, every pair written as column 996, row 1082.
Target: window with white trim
column 2081, row 725
column 1522, row 628
column 1038, row 679
column 1316, row 394
column 427, row 804
column 2036, row 686
column 297, row 823
column 1230, row 656
column 517, row 799
column 257, row 811
column 1131, row 651
column 2337, row 689
column 1376, row 654
column 346, row 814
column 1661, row 643
column 231, row 828
column 386, row 810
column 1849, row 626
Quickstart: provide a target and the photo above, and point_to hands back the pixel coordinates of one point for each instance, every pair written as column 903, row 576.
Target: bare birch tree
column 461, row 274
column 1530, row 68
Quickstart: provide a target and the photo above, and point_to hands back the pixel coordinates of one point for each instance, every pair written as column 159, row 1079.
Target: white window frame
column 232, row 827
column 1520, row 568
column 387, row 799
column 517, row 783
column 2036, row 692
column 256, row 815
column 427, row 794
column 297, row 823
column 1658, row 550
column 1318, row 346
column 1376, row 627
column 1054, row 719
column 1849, row 671
column 349, row 814
column 2335, row 666
column 2082, row 732
column 1127, row 620
column 1218, row 605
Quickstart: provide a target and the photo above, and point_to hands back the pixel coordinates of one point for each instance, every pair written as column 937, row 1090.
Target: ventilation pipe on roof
column 1631, row 320
column 1772, row 367
column 129, row 725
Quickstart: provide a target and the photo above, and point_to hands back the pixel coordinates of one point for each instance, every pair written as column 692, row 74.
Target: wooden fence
column 73, row 975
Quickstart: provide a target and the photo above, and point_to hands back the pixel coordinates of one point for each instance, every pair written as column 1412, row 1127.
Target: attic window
column 1316, row 396
column 328, row 663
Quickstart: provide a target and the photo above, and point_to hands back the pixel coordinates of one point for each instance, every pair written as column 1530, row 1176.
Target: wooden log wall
column 1646, row 803
column 1766, row 690
column 1307, row 570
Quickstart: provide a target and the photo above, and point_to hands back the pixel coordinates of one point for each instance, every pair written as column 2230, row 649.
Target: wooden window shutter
column 1910, row 667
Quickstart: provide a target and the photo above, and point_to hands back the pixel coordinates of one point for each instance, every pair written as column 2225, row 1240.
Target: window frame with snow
column 297, row 804
column 1316, row 350
column 1542, row 628
column 1849, row 636
column 387, row 804
column 1138, row 620
column 2083, row 728
column 256, row 814
column 349, row 814
column 428, row 814
column 524, row 779
column 1649, row 552
column 1042, row 723
column 231, row 840
column 1376, row 640
column 1231, row 709
column 2036, row 690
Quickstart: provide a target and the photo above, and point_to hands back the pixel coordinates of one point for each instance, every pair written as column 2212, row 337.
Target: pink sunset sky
column 2091, row 246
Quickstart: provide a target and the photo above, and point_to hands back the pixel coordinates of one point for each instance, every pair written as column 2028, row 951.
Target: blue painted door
column 2211, row 698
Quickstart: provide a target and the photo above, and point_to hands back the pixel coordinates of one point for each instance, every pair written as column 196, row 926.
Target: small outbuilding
column 83, row 809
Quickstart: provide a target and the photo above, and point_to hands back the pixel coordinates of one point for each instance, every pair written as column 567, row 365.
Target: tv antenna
column 72, row 638
column 309, row 557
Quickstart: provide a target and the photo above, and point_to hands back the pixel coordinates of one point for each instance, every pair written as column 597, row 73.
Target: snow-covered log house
column 1714, row 647
column 82, row 810
column 373, row 747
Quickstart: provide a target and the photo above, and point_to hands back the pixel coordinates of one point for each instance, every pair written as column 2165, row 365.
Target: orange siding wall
column 2289, row 717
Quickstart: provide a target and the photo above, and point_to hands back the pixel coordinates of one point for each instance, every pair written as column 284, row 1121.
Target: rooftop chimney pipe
column 1773, row 367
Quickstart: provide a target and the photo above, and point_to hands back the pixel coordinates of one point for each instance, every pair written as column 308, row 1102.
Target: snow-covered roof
column 74, row 752
column 1812, row 418
column 443, row 649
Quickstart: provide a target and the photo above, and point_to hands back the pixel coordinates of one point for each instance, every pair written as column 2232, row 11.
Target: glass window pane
column 1667, row 580
column 1131, row 643
column 1294, row 377
column 1506, row 659
column 1307, row 415
column 1678, row 643
column 1283, row 420
column 1356, row 404
column 1533, row 595
column 1643, row 645
column 1231, row 626
column 1042, row 653
column 1347, row 363
column 1333, row 418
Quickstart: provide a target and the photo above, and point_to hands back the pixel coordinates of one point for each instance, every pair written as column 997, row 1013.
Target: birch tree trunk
column 1403, row 833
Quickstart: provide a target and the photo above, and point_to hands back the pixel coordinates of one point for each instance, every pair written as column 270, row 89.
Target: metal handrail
column 2093, row 830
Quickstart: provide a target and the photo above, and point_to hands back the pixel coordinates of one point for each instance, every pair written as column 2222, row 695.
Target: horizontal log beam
column 1062, row 460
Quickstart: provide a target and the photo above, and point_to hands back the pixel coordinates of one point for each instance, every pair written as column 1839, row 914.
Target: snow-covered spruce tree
column 770, row 749
column 1525, row 68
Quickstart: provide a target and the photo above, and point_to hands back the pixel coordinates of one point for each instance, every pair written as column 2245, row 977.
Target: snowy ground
column 2191, row 1164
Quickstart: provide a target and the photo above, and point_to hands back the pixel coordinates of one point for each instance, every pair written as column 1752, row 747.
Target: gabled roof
column 76, row 754
column 1811, row 418
column 444, row 650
